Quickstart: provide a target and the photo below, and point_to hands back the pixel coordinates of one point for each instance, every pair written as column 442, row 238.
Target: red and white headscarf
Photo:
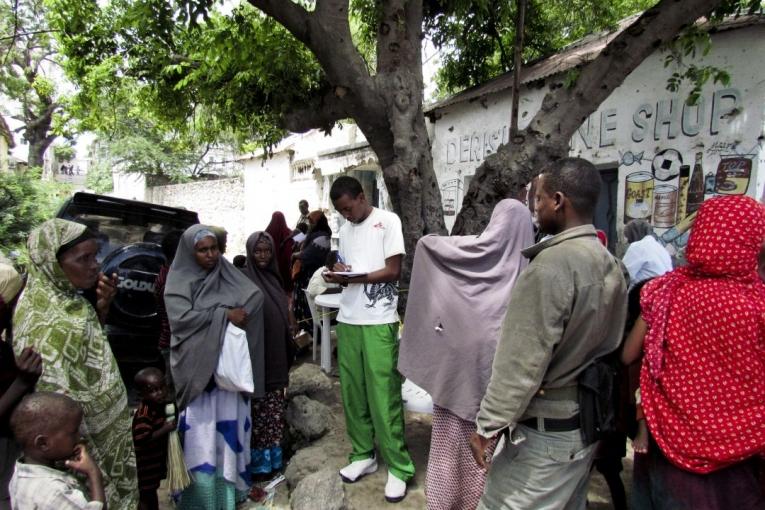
column 703, row 377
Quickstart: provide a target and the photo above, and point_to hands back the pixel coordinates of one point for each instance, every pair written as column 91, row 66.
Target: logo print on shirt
column 379, row 225
column 377, row 291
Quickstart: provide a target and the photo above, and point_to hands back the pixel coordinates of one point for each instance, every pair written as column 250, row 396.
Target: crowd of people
column 541, row 358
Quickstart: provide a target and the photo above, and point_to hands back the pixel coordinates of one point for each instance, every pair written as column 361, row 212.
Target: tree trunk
column 387, row 107
column 407, row 163
column 563, row 110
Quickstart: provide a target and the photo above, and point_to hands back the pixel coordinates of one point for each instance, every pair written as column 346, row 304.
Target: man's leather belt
column 554, row 424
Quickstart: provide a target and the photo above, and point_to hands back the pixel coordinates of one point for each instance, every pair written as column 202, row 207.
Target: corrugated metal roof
column 579, row 52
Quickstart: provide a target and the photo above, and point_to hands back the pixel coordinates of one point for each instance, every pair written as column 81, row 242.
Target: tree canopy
column 275, row 65
column 28, row 68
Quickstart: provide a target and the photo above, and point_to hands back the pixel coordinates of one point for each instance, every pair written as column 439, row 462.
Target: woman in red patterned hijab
column 703, row 376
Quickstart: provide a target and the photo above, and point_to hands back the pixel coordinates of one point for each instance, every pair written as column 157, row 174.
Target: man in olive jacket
column 566, row 310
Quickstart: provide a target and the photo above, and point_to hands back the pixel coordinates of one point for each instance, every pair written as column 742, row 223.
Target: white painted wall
column 624, row 132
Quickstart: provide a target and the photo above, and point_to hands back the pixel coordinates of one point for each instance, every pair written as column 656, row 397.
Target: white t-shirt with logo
column 365, row 246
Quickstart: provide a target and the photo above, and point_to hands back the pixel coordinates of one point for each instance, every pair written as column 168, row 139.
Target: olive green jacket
column 567, row 309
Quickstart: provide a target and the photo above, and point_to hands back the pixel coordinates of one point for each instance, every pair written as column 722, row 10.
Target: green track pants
column 370, row 384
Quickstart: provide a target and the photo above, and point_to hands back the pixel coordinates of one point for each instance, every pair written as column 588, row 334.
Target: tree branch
column 564, row 109
column 291, row 15
column 321, row 112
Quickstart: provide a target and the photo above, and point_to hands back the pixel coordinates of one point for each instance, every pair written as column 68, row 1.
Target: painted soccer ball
column 666, row 164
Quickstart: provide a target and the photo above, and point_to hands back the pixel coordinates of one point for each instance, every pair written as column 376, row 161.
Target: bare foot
column 640, row 443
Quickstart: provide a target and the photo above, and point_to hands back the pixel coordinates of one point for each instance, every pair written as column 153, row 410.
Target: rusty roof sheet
column 579, row 52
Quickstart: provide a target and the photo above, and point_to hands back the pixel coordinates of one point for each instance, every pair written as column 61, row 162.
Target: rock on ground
column 308, row 418
column 322, row 490
column 309, row 380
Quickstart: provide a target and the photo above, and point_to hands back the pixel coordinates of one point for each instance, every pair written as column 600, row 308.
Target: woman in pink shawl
column 284, row 245
column 448, row 351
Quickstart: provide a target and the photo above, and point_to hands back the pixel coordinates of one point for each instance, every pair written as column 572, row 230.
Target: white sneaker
column 395, row 489
column 358, row 469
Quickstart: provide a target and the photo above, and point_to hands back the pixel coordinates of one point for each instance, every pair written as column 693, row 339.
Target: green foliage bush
column 25, row 202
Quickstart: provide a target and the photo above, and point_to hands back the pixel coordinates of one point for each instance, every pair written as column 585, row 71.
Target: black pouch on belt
column 597, row 400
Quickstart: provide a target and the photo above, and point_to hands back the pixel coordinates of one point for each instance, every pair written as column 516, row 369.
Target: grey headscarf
column 197, row 303
column 636, row 230
column 458, row 297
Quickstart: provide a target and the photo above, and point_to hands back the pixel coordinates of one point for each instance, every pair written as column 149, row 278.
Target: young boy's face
column 60, row 444
column 153, row 390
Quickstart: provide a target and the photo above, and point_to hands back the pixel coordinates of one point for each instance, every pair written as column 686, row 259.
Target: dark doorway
column 605, row 212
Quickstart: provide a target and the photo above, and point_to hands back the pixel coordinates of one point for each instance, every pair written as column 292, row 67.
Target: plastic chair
column 315, row 319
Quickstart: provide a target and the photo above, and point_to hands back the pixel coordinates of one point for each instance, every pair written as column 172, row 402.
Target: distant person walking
column 303, row 220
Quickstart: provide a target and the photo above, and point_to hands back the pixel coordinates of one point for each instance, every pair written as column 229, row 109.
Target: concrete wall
column 643, row 131
column 219, row 203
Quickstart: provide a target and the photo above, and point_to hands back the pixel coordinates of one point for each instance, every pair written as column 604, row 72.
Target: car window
column 114, row 233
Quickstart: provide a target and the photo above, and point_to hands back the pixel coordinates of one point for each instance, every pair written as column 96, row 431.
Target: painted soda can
column 638, row 196
column 664, row 206
column 733, row 174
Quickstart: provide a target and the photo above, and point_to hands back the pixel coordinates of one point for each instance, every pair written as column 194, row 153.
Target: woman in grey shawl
column 204, row 292
column 458, row 297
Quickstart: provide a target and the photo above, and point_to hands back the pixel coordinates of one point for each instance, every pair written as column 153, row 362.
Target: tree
column 27, row 73
column 297, row 66
column 25, row 202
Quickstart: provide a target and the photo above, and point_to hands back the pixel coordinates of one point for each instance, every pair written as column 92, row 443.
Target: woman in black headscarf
column 311, row 257
column 268, row 412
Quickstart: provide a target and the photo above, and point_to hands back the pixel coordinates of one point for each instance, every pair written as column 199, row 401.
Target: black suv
column 129, row 233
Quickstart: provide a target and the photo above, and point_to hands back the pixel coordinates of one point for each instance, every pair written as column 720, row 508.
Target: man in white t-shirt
column 369, row 266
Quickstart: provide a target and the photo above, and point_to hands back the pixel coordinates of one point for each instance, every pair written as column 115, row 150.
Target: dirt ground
column 368, row 494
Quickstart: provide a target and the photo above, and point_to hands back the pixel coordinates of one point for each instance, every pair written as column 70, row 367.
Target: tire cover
column 137, row 266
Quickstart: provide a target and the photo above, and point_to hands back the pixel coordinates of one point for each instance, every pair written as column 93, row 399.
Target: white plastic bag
column 234, row 370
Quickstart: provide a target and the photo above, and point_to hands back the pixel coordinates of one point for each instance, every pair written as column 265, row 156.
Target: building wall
column 644, row 131
column 219, row 203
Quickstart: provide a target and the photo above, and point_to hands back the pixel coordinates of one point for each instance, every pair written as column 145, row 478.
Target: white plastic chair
column 315, row 319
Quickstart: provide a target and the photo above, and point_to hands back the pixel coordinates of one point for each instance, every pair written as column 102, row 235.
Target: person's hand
column 167, row 428
column 105, row 292
column 82, row 462
column 238, row 317
column 29, row 364
column 479, row 445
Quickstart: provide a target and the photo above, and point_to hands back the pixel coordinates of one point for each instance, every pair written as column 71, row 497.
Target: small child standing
column 150, row 434
column 47, row 425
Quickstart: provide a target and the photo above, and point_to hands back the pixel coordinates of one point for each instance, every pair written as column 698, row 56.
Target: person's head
column 240, row 261
column 206, row 252
column 10, row 282
column 150, row 383
column 261, row 251
column 331, row 259
column 636, row 230
column 222, row 235
column 347, row 196
column 303, row 206
column 170, row 244
column 47, row 425
column 566, row 195
column 319, row 222
column 726, row 238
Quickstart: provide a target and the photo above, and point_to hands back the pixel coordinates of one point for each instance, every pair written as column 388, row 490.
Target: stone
column 322, row 490
column 308, row 418
column 309, row 380
column 305, row 462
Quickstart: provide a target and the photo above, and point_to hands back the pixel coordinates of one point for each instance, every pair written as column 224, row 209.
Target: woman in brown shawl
column 268, row 412
column 449, row 353
column 284, row 245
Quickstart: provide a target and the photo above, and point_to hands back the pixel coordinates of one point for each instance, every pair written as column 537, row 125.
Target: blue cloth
column 215, row 428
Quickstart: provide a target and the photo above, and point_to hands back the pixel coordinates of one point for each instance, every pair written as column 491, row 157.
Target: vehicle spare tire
column 136, row 266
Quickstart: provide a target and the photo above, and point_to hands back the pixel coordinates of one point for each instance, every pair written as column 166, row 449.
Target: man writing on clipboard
column 369, row 266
